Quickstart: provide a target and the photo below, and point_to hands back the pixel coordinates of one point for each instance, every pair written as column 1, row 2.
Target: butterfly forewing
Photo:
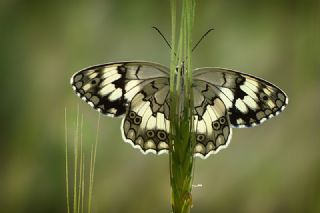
column 109, row 88
column 249, row 100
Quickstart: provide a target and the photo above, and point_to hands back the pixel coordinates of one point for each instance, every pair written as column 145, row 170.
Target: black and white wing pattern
column 249, row 100
column 226, row 98
column 109, row 88
column 137, row 90
column 211, row 121
column 147, row 125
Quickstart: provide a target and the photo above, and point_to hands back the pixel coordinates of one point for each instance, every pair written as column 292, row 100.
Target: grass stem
column 66, row 160
column 82, row 197
column 181, row 127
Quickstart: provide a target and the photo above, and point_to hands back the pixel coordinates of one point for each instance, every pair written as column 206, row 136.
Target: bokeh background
column 271, row 168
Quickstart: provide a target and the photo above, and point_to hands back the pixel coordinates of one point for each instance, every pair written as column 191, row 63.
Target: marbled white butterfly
column 139, row 91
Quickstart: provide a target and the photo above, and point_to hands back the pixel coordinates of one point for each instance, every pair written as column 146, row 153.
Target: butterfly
column 139, row 92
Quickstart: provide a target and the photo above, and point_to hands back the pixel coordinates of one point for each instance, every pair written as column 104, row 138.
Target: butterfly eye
column 150, row 133
column 216, row 125
column 222, row 120
column 200, row 138
column 132, row 115
column 162, row 135
column 137, row 120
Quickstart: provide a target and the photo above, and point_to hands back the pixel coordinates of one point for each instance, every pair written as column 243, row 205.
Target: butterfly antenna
column 164, row 38
column 204, row 35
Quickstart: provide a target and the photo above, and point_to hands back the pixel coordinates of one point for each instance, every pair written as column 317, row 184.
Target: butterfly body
column 139, row 92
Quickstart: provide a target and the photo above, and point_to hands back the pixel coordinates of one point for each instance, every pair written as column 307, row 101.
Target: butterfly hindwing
column 211, row 123
column 146, row 125
column 249, row 100
column 109, row 88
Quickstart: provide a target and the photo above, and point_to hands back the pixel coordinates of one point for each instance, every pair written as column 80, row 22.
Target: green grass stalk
column 76, row 138
column 80, row 166
column 83, row 182
column 81, row 199
column 92, row 166
column 66, row 160
column 181, row 130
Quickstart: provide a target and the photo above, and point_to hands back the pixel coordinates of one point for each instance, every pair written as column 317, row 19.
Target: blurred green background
column 271, row 168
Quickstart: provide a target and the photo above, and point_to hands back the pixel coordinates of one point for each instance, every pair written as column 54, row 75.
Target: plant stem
column 181, row 129
column 93, row 156
column 80, row 199
column 76, row 140
column 67, row 163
